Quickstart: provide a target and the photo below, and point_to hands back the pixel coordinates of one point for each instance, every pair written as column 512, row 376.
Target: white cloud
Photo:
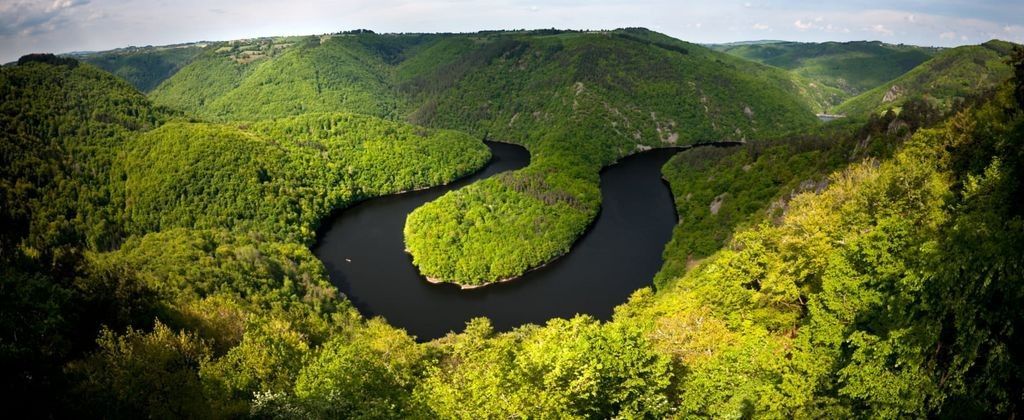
column 832, row 28
column 819, row 24
column 64, row 4
column 1012, row 30
column 761, row 27
column 27, row 18
column 803, row 26
column 947, row 35
column 881, row 29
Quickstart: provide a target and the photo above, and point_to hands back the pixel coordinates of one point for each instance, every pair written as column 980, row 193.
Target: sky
column 60, row 26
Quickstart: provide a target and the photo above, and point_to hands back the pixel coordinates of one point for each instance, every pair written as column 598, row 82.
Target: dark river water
column 363, row 250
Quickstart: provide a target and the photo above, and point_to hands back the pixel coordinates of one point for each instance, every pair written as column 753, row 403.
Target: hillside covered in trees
column 100, row 189
column 159, row 261
column 850, row 67
column 145, row 67
column 949, row 77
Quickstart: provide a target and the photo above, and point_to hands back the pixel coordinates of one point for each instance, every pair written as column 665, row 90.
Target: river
column 363, row 250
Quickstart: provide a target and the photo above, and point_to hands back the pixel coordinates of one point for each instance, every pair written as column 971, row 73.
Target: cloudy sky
column 76, row 25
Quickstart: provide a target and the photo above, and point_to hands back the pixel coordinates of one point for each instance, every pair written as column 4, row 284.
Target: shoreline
column 723, row 143
column 321, row 224
column 433, row 280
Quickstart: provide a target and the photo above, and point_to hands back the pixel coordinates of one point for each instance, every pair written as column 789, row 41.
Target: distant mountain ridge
column 371, row 75
column 144, row 67
column 822, row 75
column 850, row 67
column 950, row 76
column 409, row 76
column 715, row 46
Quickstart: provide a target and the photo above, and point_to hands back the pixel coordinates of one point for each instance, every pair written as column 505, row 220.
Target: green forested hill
column 144, row 67
column 62, row 125
column 119, row 213
column 592, row 87
column 851, row 67
column 644, row 87
column 282, row 176
column 721, row 190
column 409, row 76
column 217, row 70
column 950, row 76
column 315, row 75
column 77, row 137
column 879, row 289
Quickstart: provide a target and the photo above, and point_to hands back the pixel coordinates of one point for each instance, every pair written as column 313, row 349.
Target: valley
column 364, row 256
column 521, row 223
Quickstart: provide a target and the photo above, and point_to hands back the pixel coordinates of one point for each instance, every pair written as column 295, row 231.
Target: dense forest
column 232, row 209
column 718, row 190
column 159, row 262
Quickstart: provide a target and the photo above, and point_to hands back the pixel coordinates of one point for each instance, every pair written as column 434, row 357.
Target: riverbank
column 364, row 253
column 504, row 245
